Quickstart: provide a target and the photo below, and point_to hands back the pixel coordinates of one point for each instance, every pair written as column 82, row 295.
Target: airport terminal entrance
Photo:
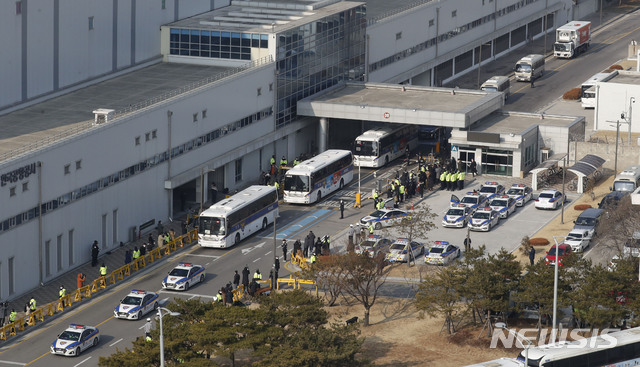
column 497, row 162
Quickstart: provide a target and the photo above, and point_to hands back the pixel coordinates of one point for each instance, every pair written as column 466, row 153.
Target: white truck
column 572, row 39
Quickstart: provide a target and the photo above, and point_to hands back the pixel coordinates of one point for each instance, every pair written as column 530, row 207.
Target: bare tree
column 415, row 227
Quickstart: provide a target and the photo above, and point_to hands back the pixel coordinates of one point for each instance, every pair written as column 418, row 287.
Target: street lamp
column 160, row 315
column 555, row 286
column 502, row 325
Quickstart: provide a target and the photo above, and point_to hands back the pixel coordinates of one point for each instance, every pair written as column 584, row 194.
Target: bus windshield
column 212, row 226
column 624, row 186
column 366, row 148
column 296, row 183
column 490, row 89
column 523, row 68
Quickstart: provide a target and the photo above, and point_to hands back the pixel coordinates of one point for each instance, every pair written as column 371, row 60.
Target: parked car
column 563, row 250
column 612, row 199
column 504, row 205
column 457, row 216
column 473, row 200
column 578, row 240
column 521, row 193
column 549, row 199
column 385, row 218
column 484, row 219
column 442, row 253
column 373, row 245
column 403, row 250
column 588, row 220
column 491, row 189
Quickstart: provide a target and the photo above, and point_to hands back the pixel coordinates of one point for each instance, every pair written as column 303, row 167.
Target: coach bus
column 229, row 221
column 616, row 349
column 588, row 97
column 378, row 147
column 321, row 175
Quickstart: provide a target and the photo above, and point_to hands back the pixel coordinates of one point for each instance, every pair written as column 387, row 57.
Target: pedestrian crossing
column 349, row 197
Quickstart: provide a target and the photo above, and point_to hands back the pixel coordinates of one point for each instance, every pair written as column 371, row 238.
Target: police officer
column 296, row 162
column 452, row 181
column 272, row 161
column 313, row 258
column 461, row 180
column 136, row 253
column 283, row 161
column 147, row 330
column 401, row 191
column 103, row 270
column 12, row 316
column 257, row 275
column 443, row 180
column 61, row 293
column 284, row 249
column 380, row 205
column 371, row 228
column 341, row 209
column 32, row 304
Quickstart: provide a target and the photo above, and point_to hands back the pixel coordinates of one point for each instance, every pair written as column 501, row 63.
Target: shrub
column 573, row 94
column 582, row 207
column 539, row 241
column 616, row 67
column 608, row 70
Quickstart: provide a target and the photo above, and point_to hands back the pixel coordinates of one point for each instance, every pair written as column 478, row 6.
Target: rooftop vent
column 103, row 115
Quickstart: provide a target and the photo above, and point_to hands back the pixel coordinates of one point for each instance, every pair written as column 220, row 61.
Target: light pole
column 618, row 122
column 632, row 100
column 555, row 288
column 160, row 315
column 502, row 325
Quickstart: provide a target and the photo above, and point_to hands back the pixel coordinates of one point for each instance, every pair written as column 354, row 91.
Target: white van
column 497, row 84
column 627, row 180
column 529, row 67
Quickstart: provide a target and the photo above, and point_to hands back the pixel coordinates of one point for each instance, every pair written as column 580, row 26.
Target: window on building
column 67, row 169
column 12, row 191
column 195, row 117
column 78, row 164
column 18, row 7
column 259, row 91
column 454, row 13
column 90, row 23
column 164, row 4
column 137, row 140
column 154, row 134
column 270, row 87
column 204, row 114
column 239, row 170
column 25, row 186
column 147, row 136
column 398, row 35
column 431, row 22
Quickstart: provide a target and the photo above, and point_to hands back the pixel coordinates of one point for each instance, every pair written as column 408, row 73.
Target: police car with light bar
column 483, row 219
column 385, row 218
column 442, row 253
column 504, row 205
column 473, row 200
column 521, row 193
column 184, row 276
column 136, row 304
column 457, row 216
column 75, row 339
column 400, row 250
column 491, row 189
column 373, row 245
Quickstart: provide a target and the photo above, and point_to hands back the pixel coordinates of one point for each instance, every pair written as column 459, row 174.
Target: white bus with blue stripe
column 377, row 147
column 233, row 219
column 311, row 180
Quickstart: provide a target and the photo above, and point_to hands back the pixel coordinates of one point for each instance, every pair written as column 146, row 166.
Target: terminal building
column 116, row 115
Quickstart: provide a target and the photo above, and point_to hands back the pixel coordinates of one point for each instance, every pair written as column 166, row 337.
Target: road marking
column 249, row 249
column 189, row 294
column 214, row 257
column 267, row 253
column 16, row 363
column 257, row 259
column 116, row 342
column 164, row 301
column 88, row 358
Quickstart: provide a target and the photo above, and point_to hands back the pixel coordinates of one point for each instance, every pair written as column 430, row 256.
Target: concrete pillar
column 323, row 132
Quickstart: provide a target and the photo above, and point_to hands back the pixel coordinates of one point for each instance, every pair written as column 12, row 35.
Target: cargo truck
column 572, row 39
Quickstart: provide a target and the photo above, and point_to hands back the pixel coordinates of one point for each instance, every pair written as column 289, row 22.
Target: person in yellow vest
column 313, row 258
column 380, row 205
column 371, row 228
column 32, row 304
column 283, row 161
column 12, row 316
column 401, row 191
column 452, row 180
column 375, row 195
column 257, row 275
column 272, row 161
column 61, row 293
column 461, row 180
column 443, row 180
column 103, row 270
column 296, row 162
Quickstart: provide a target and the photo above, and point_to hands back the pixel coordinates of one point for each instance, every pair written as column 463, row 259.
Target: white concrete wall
column 614, row 99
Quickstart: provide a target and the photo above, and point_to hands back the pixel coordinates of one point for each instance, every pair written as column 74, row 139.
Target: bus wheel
column 264, row 224
column 319, row 196
column 341, row 183
column 237, row 241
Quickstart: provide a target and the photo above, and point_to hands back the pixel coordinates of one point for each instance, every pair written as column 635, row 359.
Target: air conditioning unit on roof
column 103, row 115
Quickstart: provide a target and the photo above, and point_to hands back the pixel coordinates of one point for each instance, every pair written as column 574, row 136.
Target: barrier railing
column 96, row 286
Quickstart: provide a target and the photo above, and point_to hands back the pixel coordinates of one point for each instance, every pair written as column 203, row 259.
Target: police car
column 136, row 304
column 183, row 276
column 457, row 216
column 403, row 250
column 483, row 219
column 504, row 205
column 491, row 189
column 473, row 200
column 385, row 218
column 442, row 253
column 549, row 199
column 75, row 339
column 521, row 193
column 373, row 245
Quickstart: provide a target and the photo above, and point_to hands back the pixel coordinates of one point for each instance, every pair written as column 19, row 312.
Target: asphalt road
column 32, row 348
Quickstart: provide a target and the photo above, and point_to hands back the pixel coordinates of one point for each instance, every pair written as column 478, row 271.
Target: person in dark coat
column 341, row 209
column 317, row 250
column 228, row 298
column 276, row 264
column 532, row 255
column 236, row 280
column 297, row 246
column 95, row 250
column 143, row 249
column 127, row 257
column 284, row 249
column 245, row 277
column 308, row 243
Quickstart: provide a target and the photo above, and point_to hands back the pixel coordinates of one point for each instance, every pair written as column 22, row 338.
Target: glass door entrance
column 497, row 162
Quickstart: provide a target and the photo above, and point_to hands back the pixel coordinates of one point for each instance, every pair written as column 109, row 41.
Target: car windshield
column 296, row 183
column 469, row 200
column 552, row 252
column 212, row 226
column 437, row 250
column 515, row 192
column 365, row 148
column 488, row 189
column 179, row 272
column 367, row 244
column 499, row 203
column 69, row 335
column 458, row 212
column 590, row 222
column 398, row 246
column 545, row 195
column 130, row 300
column 482, row 215
column 377, row 214
column 574, row 236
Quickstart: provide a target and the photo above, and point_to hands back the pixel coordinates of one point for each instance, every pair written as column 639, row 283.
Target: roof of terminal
column 58, row 115
column 506, row 122
column 626, row 77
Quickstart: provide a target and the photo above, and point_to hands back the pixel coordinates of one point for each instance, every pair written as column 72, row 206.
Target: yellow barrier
column 88, row 290
column 306, row 281
column 288, row 281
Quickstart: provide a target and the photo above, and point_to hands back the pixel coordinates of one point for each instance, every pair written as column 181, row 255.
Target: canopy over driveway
column 585, row 167
column 550, row 167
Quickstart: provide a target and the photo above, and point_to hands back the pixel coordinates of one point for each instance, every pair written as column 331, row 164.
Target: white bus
column 616, row 349
column 588, row 99
column 377, row 147
column 529, row 67
column 229, row 221
column 307, row 182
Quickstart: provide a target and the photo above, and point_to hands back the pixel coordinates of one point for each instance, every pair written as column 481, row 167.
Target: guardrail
column 96, row 286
